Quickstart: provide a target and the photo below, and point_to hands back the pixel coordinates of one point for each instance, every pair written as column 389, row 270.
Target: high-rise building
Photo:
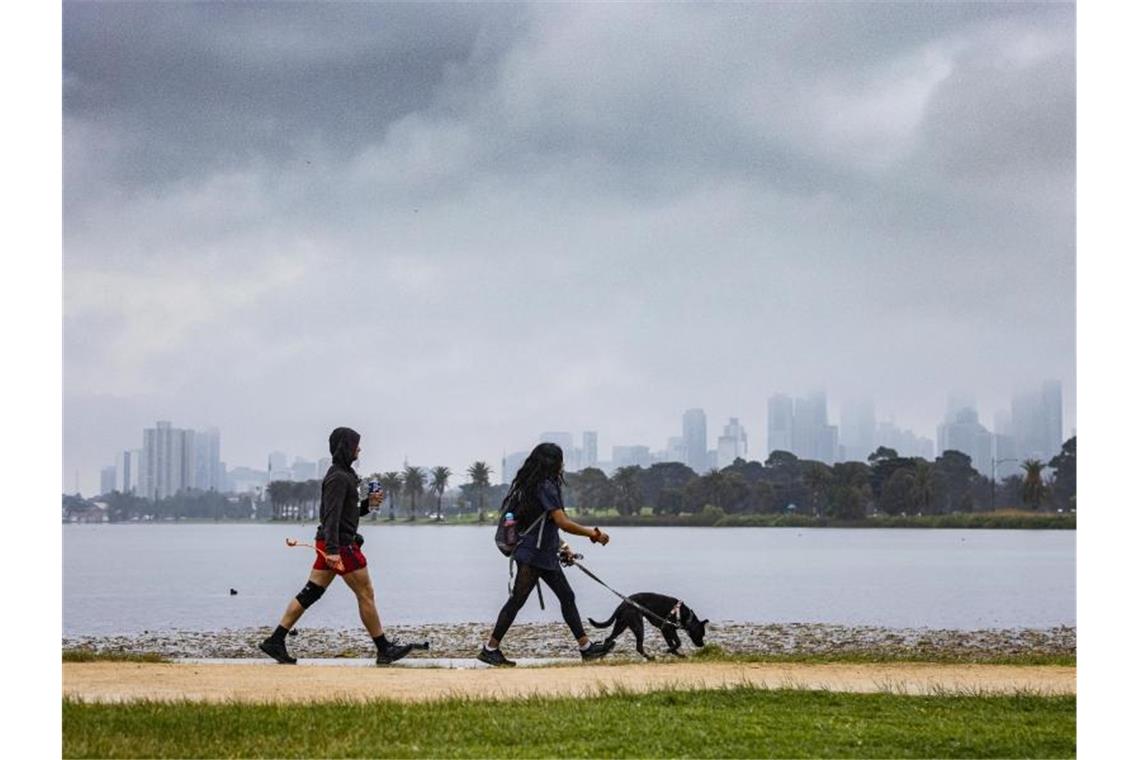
column 780, row 423
column 207, row 460
column 857, row 429
column 694, row 430
column 304, row 469
column 107, row 479
column 962, row 432
column 564, row 440
column 511, row 464
column 323, row 465
column 1036, row 422
column 589, row 449
column 731, row 444
column 127, row 471
column 674, row 450
column 629, row 456
column 167, row 461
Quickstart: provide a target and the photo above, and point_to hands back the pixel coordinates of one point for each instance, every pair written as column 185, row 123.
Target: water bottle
column 512, row 531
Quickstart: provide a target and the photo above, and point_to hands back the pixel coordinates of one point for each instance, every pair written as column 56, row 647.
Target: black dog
column 674, row 612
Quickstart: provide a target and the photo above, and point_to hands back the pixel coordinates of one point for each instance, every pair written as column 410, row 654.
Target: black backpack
column 507, row 537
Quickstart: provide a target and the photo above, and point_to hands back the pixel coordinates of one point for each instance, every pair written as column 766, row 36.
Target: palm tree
column 480, row 475
column 413, row 486
column 279, row 491
column 1033, row 488
column 391, row 483
column 439, row 478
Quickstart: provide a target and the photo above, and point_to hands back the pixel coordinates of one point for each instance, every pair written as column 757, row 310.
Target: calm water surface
column 132, row 578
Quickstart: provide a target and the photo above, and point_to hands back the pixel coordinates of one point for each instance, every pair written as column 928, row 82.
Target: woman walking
column 536, row 494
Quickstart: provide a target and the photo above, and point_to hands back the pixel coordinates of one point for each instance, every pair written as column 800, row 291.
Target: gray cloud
column 458, row 226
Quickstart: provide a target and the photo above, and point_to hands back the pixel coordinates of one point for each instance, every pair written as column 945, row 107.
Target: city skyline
column 429, row 197
column 1030, row 430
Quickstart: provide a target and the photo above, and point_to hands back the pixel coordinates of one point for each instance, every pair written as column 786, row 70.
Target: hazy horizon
column 455, row 227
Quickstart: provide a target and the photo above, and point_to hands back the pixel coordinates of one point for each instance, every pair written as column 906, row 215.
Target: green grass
column 88, row 655
column 738, row 722
column 713, row 653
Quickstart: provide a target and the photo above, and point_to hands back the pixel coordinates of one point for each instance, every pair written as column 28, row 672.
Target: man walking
column 338, row 553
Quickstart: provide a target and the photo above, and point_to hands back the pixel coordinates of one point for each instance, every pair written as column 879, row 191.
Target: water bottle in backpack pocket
column 507, row 534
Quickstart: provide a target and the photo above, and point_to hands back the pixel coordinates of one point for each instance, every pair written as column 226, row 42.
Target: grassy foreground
column 738, row 722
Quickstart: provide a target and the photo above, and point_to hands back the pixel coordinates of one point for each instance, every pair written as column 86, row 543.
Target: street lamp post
column 993, row 478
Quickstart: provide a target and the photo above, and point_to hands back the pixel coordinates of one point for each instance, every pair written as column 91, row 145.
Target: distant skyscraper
column 731, row 444
column 167, row 461
column 1036, row 422
column 127, row 471
column 207, row 460
column 512, row 463
column 857, row 429
column 962, row 432
column 107, row 479
column 323, row 465
column 780, row 422
column 303, row 469
column 589, row 449
column 694, row 430
column 1053, row 422
column 675, row 450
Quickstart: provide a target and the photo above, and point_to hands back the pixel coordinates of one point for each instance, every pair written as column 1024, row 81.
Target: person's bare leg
column 294, row 611
column 361, row 584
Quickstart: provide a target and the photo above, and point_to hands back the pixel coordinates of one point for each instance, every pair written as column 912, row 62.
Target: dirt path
column 246, row 683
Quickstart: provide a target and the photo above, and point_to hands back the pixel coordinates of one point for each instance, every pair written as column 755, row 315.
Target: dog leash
column 292, row 542
column 650, row 613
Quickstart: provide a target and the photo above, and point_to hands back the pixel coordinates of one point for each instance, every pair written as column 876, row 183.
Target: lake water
column 121, row 579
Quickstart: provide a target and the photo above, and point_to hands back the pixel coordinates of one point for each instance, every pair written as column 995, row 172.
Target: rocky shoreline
column 553, row 640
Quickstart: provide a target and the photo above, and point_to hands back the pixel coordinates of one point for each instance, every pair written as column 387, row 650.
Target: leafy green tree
column 660, row 477
column 414, row 480
column 439, row 477
column 895, row 497
column 925, row 486
column 391, row 482
column 958, row 476
column 1033, row 489
column 817, row 477
column 480, row 475
column 882, row 453
column 627, row 490
column 1064, row 488
column 280, row 491
column 592, row 490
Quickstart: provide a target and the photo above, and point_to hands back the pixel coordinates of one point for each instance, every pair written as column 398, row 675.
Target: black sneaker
column 391, row 652
column 597, row 650
column 275, row 648
column 495, row 657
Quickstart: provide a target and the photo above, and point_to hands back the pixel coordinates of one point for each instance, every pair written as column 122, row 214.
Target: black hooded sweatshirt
column 341, row 505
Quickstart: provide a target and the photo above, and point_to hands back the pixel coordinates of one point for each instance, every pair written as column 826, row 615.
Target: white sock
column 490, row 648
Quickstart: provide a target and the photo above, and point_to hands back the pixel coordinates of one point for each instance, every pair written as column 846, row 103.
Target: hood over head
column 342, row 445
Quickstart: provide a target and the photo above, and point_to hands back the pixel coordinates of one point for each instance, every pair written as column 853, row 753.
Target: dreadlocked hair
column 544, row 463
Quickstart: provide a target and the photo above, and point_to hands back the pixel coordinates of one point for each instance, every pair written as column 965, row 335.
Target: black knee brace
column 309, row 594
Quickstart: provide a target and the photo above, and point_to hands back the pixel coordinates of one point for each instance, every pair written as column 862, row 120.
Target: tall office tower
column 564, row 440
column 809, row 420
column 511, row 464
column 589, row 449
column 780, row 423
column 303, row 469
column 123, row 471
column 731, row 444
column 857, row 429
column 107, row 479
column 694, row 430
column 962, row 432
column 323, row 465
column 1036, row 422
column 675, row 449
column 207, row 460
column 167, row 461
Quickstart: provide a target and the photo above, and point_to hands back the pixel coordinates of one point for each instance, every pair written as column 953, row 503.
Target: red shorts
column 351, row 558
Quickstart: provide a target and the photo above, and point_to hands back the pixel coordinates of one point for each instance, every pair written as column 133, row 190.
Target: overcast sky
column 454, row 227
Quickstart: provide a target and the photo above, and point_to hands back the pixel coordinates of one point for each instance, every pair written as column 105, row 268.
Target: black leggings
column 525, row 582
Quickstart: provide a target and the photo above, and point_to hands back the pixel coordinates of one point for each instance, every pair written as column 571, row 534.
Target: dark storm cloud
column 685, row 205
